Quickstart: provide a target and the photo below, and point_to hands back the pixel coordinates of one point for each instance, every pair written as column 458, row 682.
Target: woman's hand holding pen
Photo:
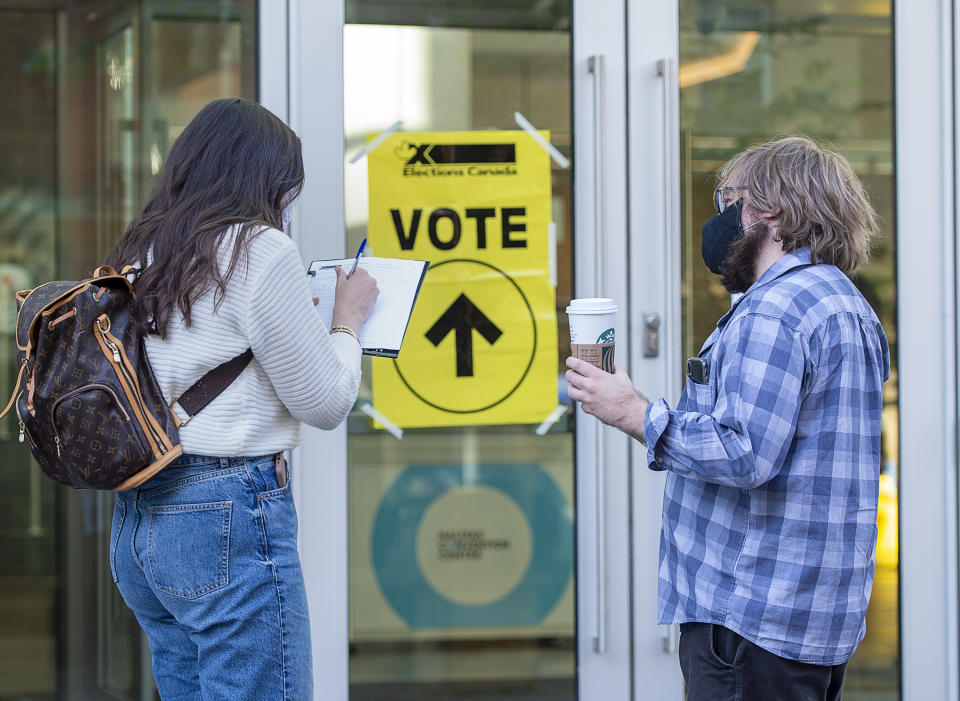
column 356, row 294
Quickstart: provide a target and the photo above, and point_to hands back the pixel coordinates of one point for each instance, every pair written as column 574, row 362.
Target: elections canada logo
column 426, row 159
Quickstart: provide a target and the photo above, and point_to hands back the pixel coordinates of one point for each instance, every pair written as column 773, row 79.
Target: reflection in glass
column 94, row 95
column 751, row 72
column 470, row 69
column 28, row 567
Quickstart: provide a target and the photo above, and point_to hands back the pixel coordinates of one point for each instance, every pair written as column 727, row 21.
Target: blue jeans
column 205, row 554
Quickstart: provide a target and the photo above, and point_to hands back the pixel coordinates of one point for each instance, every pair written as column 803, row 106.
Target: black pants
column 719, row 665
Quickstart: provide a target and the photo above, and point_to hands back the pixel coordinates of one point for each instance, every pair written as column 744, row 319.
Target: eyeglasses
column 718, row 199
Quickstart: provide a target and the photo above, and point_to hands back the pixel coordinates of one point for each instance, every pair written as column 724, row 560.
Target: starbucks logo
column 607, row 336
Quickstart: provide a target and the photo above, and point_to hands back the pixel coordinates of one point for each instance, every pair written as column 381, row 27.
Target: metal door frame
column 301, row 80
column 927, row 197
column 654, row 196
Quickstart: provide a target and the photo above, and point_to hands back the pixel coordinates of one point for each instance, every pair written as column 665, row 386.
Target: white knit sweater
column 299, row 372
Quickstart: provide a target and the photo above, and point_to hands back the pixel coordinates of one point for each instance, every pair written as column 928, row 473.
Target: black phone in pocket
column 698, row 370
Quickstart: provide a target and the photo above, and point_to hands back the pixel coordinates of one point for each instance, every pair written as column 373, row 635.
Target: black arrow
column 463, row 317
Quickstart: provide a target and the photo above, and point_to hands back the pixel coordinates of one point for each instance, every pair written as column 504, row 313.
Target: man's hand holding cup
column 603, row 388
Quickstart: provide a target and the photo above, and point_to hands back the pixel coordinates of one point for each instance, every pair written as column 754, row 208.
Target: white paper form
column 399, row 282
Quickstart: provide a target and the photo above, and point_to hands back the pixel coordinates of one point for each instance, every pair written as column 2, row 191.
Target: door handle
column 597, row 66
column 669, row 74
column 670, row 77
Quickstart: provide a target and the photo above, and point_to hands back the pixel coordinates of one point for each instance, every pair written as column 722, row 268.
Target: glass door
column 97, row 92
column 825, row 70
column 717, row 77
column 479, row 559
column 28, row 540
column 461, row 531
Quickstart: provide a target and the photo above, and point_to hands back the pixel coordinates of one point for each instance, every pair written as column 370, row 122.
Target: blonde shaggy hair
column 821, row 201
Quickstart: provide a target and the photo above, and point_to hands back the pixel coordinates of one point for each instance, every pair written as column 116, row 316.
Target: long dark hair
column 234, row 164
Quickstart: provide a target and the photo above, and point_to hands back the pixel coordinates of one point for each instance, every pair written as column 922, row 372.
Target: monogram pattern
column 85, row 431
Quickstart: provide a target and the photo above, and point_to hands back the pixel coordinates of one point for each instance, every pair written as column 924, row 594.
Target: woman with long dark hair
column 205, row 553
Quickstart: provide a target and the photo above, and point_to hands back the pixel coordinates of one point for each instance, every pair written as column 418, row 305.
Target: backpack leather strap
column 209, row 387
column 16, row 391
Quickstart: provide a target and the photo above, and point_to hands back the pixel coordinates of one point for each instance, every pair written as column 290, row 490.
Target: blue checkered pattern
column 770, row 506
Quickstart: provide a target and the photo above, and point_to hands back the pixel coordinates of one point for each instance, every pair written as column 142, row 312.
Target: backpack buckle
column 180, row 422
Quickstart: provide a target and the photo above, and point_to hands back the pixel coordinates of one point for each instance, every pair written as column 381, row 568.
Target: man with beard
column 773, row 452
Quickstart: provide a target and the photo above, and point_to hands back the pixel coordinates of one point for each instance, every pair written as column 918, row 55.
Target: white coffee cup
column 593, row 322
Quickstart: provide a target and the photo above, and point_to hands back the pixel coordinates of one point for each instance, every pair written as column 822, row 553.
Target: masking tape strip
column 522, row 122
column 551, row 419
column 391, row 427
column 376, row 141
column 552, row 251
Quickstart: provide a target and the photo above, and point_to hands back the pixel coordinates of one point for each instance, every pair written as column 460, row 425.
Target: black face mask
column 719, row 233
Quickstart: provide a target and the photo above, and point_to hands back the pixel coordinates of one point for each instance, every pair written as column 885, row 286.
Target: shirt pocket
column 700, row 398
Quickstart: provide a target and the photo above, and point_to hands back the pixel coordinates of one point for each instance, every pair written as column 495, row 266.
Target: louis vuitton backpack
column 86, row 398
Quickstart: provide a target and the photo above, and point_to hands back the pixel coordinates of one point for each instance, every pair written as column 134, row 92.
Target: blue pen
column 356, row 260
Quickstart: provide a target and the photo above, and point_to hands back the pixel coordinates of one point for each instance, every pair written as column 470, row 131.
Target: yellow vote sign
column 481, row 347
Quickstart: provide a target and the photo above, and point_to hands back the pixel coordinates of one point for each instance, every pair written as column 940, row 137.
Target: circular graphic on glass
column 489, row 546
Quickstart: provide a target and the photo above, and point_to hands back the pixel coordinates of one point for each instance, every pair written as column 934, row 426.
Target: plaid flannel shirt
column 770, row 505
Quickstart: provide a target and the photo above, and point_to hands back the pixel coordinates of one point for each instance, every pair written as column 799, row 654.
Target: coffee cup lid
column 591, row 305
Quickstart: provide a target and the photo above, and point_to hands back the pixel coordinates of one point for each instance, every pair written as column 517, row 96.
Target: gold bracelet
column 340, row 328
